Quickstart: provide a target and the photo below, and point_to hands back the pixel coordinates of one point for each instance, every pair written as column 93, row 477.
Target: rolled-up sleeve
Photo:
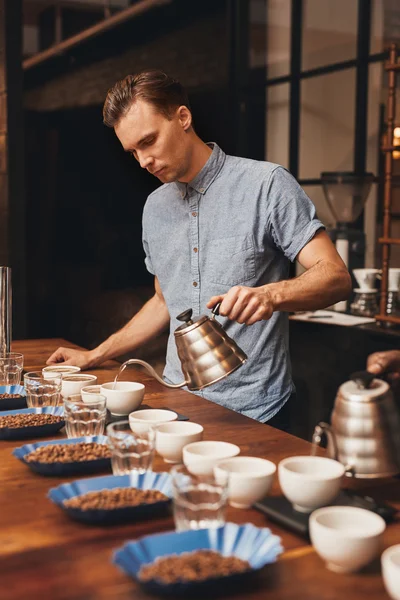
column 292, row 219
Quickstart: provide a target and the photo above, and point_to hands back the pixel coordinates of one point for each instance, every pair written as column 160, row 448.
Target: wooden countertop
column 46, row 555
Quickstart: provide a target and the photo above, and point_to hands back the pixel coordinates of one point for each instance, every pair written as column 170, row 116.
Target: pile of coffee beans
column 66, row 453
column 116, row 498
column 193, row 566
column 30, row 420
column 8, row 396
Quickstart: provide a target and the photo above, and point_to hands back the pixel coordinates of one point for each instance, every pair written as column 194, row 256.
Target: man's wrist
column 273, row 292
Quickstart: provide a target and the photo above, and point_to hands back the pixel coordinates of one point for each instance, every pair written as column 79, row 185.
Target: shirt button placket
column 194, row 245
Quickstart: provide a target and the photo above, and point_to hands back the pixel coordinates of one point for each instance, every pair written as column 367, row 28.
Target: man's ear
column 185, row 117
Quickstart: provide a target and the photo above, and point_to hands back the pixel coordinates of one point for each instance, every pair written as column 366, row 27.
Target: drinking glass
column 42, row 391
column 199, row 501
column 130, row 451
column 85, row 417
column 11, row 365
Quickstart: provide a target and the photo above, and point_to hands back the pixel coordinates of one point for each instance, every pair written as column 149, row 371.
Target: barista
column 220, row 229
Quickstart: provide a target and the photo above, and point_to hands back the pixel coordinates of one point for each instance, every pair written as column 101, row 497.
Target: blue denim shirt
column 239, row 222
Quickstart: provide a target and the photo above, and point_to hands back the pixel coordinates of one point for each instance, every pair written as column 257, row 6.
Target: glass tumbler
column 130, row 451
column 11, row 365
column 85, row 417
column 42, row 391
column 199, row 502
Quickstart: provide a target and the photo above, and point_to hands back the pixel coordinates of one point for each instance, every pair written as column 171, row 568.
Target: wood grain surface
column 44, row 554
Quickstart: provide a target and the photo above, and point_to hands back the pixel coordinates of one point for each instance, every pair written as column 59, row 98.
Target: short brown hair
column 154, row 87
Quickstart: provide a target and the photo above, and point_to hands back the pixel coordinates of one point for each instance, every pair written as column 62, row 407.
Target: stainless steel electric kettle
column 206, row 352
column 364, row 434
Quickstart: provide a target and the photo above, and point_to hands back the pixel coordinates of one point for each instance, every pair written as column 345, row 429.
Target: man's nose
column 145, row 161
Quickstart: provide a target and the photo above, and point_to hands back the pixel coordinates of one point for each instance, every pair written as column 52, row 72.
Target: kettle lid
column 189, row 323
column 363, row 387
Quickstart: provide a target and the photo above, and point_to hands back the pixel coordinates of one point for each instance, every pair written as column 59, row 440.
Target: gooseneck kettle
column 206, row 352
column 364, row 434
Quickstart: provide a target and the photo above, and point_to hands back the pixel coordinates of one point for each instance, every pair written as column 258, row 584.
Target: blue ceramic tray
column 21, row 433
column 72, row 468
column 145, row 481
column 12, row 403
column 256, row 545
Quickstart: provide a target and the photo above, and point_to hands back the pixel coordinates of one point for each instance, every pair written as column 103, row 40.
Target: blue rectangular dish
column 71, row 468
column 143, row 481
column 21, row 433
column 256, row 545
column 12, row 403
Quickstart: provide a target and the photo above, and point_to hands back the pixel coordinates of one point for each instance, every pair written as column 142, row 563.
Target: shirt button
column 195, row 283
column 195, row 250
column 194, row 214
column 201, row 190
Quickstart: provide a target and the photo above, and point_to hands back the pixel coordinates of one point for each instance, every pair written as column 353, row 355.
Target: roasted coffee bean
column 65, row 453
column 116, row 498
column 30, row 420
column 7, row 396
column 193, row 566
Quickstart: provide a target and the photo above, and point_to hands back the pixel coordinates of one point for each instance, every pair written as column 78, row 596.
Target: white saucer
column 362, row 291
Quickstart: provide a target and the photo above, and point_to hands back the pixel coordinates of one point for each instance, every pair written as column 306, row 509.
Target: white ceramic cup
column 88, row 391
column 309, row 482
column 250, row 479
column 62, row 369
column 72, row 383
column 366, row 278
column 200, row 458
column 345, row 537
column 141, row 421
column 124, row 398
column 173, row 436
column 390, row 561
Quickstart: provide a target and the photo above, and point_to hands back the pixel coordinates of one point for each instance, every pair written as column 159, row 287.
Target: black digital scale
column 280, row 510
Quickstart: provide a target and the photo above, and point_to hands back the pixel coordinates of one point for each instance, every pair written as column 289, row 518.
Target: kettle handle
column 319, row 430
column 215, row 310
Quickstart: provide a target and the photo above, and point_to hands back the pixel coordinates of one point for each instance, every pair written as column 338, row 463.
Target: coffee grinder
column 346, row 194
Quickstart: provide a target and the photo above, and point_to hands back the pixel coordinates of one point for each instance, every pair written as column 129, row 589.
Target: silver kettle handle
column 319, row 430
column 152, row 372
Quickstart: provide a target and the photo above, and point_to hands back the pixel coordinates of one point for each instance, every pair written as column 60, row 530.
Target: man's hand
column 385, row 362
column 68, row 356
column 245, row 304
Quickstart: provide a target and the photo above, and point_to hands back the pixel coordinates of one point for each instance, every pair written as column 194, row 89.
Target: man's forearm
column 150, row 321
column 320, row 286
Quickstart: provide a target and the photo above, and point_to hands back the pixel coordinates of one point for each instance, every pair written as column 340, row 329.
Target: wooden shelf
column 395, row 241
column 388, row 319
column 392, row 66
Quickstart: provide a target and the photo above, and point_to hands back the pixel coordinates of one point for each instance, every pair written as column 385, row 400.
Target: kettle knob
column 362, row 378
column 185, row 316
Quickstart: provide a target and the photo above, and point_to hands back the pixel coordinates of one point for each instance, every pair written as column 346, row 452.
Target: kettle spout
column 319, row 430
column 152, row 372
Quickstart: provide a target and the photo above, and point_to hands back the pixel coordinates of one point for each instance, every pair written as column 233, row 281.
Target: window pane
column 377, row 23
column 277, row 124
column 270, row 36
column 329, row 32
column 327, row 123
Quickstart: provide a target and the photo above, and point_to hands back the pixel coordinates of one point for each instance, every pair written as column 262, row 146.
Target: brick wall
column 197, row 54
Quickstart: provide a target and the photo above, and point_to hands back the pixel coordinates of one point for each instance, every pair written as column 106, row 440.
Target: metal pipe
column 120, row 17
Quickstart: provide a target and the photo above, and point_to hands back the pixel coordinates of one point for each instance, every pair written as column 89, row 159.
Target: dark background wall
column 85, row 196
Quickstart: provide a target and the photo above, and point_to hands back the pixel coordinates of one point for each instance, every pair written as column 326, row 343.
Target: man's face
column 160, row 145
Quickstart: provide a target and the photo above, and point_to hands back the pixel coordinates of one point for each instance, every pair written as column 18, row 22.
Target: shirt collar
column 208, row 173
